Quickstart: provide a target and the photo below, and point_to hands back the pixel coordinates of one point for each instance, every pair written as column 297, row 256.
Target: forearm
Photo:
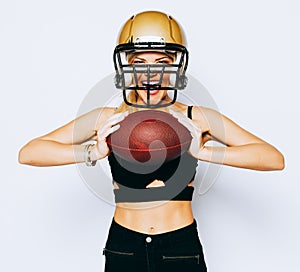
column 49, row 153
column 257, row 156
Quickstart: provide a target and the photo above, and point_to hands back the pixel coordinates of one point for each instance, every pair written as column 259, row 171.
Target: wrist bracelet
column 87, row 155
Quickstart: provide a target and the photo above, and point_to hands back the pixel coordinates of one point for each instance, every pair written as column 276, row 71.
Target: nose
column 152, row 73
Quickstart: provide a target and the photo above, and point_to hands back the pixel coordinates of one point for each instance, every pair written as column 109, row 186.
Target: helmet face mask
column 158, row 76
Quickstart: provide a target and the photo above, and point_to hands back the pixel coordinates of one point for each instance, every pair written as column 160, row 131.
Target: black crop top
column 132, row 179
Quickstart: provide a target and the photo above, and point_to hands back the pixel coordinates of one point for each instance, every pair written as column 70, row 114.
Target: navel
column 151, row 229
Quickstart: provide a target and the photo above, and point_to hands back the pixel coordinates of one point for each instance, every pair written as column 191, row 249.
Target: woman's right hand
column 101, row 149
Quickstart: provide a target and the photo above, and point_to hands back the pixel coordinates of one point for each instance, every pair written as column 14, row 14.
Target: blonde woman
column 152, row 230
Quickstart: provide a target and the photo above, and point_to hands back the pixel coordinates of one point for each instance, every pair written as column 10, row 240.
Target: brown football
column 150, row 136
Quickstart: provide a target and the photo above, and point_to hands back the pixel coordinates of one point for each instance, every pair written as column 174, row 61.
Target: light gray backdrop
column 52, row 53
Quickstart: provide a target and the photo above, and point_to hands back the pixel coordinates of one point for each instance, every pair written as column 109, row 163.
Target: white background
column 53, row 52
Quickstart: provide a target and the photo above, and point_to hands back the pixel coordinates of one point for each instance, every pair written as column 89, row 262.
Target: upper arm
column 223, row 129
column 81, row 129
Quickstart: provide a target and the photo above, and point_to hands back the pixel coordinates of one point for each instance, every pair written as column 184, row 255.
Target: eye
column 137, row 61
column 165, row 61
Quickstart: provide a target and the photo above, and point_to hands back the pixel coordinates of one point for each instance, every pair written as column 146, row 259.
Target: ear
column 183, row 82
column 117, row 80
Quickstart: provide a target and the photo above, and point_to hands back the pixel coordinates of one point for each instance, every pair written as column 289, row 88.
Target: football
column 149, row 136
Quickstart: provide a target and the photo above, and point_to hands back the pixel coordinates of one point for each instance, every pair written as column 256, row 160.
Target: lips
column 153, row 87
column 152, row 92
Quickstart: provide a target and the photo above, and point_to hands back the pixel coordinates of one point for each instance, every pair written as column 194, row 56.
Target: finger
column 181, row 117
column 116, row 118
column 187, row 122
column 194, row 130
column 112, row 121
column 104, row 133
column 176, row 114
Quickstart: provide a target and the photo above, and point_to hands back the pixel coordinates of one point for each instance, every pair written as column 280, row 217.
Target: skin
column 156, row 96
column 240, row 149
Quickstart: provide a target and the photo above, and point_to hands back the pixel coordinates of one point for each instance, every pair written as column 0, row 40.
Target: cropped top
column 132, row 178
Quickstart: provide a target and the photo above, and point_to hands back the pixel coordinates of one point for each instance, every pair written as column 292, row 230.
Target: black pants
column 174, row 251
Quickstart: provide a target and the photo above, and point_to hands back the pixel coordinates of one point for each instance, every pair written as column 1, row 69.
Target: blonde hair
column 132, row 97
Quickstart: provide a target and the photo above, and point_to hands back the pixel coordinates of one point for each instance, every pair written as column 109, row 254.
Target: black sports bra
column 132, row 179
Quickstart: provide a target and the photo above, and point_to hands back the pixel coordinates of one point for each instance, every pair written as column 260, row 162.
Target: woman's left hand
column 196, row 132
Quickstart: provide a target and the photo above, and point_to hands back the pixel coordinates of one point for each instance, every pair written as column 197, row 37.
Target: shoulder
column 104, row 112
column 98, row 115
column 207, row 117
column 198, row 112
column 205, row 114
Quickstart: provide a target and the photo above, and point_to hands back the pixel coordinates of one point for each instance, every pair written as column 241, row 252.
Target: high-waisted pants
column 174, row 251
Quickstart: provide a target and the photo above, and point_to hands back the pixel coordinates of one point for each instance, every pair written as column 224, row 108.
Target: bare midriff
column 154, row 217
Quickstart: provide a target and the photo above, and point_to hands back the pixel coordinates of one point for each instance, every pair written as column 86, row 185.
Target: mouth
column 152, row 85
column 152, row 92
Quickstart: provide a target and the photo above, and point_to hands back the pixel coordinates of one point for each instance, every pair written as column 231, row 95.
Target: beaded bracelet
column 87, row 155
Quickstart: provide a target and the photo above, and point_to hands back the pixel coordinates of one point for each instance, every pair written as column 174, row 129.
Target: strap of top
column 189, row 112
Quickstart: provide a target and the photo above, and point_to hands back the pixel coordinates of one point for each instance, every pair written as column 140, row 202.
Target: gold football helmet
column 151, row 31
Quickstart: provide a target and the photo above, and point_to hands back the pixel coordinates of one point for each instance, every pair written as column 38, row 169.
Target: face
column 154, row 78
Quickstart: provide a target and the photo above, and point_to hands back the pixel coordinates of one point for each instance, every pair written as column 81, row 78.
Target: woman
column 153, row 228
